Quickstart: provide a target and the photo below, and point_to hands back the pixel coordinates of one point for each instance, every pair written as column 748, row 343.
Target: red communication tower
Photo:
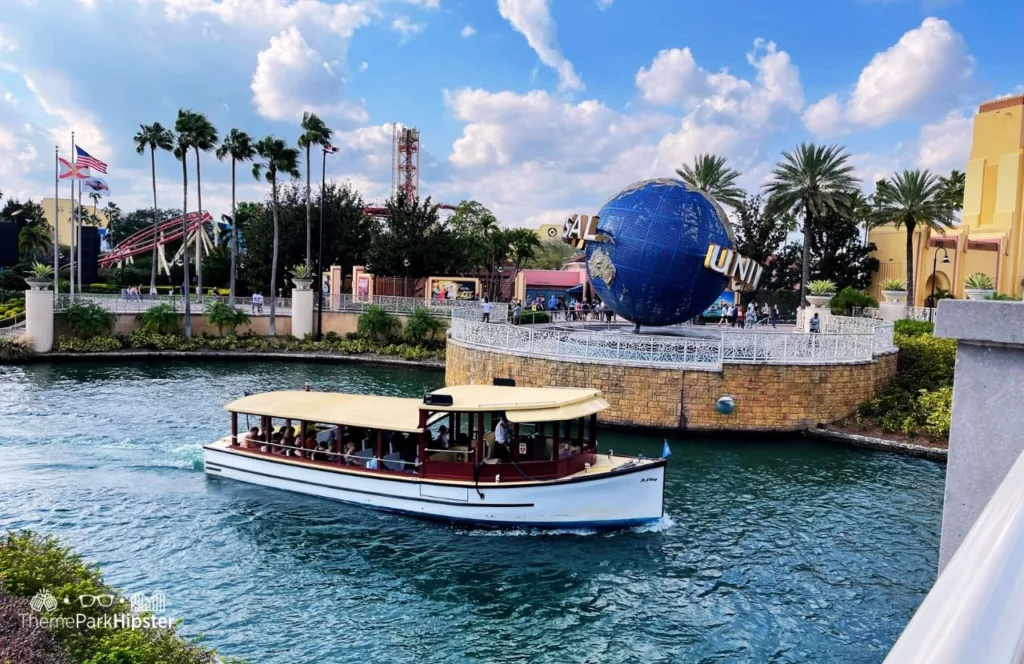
column 407, row 150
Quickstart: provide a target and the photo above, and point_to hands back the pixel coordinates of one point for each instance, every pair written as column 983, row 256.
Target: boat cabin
column 480, row 433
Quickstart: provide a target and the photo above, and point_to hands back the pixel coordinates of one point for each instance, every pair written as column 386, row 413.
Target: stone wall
column 768, row 397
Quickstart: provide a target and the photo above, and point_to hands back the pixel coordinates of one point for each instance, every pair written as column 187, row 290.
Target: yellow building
column 64, row 208
column 990, row 236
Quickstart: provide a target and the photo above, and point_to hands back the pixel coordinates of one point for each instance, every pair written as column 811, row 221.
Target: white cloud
column 533, row 19
column 425, row 4
column 673, row 78
column 364, row 65
column 929, row 65
column 604, row 5
column 269, row 16
column 946, row 144
column 52, row 92
column 6, row 43
column 825, row 118
column 406, row 27
column 292, row 78
column 467, row 31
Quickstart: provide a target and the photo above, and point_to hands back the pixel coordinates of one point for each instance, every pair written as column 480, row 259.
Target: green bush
column 421, row 325
column 224, row 316
column 913, row 328
column 162, row 319
column 936, row 410
column 90, row 345
column 87, row 319
column 14, row 349
column 924, row 362
column 850, row 298
column 31, row 563
column 534, row 317
column 377, row 324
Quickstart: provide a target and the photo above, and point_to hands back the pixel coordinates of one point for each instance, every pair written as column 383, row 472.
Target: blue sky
column 536, row 108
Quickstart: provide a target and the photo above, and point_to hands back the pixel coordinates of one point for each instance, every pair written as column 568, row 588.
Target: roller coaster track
column 142, row 242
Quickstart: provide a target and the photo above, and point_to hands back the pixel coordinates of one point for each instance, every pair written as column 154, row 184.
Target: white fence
column 857, row 341
column 911, row 313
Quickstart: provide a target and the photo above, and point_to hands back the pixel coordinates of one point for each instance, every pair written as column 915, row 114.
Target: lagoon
column 781, row 550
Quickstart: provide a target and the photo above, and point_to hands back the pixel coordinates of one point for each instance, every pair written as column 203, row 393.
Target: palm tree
column 913, row 199
column 237, row 145
column 812, row 181
column 184, row 125
column 95, row 203
column 34, row 241
column 276, row 157
column 155, row 137
column 953, row 189
column 710, row 174
column 314, row 132
column 204, row 139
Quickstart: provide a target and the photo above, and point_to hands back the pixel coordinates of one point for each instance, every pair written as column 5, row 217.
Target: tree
column 34, row 242
column 911, row 199
column 154, row 137
column 523, row 244
column 552, row 254
column 838, row 252
column 185, row 126
column 710, row 174
column 413, row 232
column 121, row 225
column 810, row 181
column 239, row 147
column 314, row 132
column 275, row 157
column 24, row 214
column 204, row 138
column 953, row 189
column 760, row 235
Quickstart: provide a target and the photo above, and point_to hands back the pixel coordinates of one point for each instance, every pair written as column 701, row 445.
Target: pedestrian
column 487, row 308
column 815, row 326
column 752, row 315
column 517, row 312
column 774, row 316
column 733, row 314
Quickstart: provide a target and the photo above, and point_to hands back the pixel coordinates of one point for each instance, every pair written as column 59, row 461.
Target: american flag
column 86, row 160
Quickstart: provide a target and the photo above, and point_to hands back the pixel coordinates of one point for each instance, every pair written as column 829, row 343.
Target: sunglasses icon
column 105, row 601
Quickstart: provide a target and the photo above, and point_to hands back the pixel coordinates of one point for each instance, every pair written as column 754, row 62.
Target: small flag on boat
column 666, row 451
column 246, row 393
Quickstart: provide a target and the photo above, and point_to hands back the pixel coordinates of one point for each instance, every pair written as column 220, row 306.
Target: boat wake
column 659, row 526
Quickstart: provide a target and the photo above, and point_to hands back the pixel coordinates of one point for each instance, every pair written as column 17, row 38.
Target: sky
column 536, row 108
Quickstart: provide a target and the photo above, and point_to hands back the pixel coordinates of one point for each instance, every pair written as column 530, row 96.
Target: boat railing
column 304, row 451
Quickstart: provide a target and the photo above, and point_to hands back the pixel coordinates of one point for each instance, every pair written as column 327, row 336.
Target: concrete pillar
column 988, row 389
column 302, row 312
column 39, row 319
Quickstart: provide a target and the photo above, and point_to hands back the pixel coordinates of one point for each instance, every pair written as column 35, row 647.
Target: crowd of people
column 558, row 308
column 749, row 316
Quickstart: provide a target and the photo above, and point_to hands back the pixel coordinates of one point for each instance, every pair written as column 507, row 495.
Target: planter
column 977, row 293
column 894, row 296
column 39, row 285
column 820, row 300
column 302, row 284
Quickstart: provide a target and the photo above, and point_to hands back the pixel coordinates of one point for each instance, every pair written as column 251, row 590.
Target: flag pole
column 71, row 221
column 79, row 238
column 56, row 220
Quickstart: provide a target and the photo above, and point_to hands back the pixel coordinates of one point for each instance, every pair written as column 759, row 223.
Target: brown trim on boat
column 654, row 463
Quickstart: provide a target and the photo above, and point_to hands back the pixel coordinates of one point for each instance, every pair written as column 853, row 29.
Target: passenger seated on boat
column 349, row 458
column 321, row 451
column 462, row 439
column 253, row 439
column 442, row 438
column 309, row 446
column 275, row 444
column 564, row 451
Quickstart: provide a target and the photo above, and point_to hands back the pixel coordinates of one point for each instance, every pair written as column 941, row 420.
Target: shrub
column 534, row 317
column 39, row 271
column 88, row 320
column 913, row 328
column 850, row 298
column 894, row 285
column 1002, row 297
column 377, row 324
column 14, row 349
column 90, row 345
column 978, row 281
column 223, row 315
column 422, row 325
column 162, row 319
column 30, row 564
column 924, row 362
column 935, row 411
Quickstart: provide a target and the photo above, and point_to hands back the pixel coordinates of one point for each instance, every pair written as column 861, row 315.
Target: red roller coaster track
column 142, row 242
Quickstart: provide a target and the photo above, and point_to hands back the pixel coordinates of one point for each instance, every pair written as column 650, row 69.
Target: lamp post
column 405, row 279
column 935, row 265
column 327, row 149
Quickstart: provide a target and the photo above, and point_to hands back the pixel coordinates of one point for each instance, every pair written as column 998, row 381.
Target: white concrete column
column 39, row 319
column 302, row 312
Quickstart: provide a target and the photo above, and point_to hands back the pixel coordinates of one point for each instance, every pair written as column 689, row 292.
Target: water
column 772, row 551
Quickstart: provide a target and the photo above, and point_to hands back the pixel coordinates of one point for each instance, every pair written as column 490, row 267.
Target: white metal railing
column 125, row 304
column 975, row 610
column 912, row 313
column 850, row 343
column 403, row 305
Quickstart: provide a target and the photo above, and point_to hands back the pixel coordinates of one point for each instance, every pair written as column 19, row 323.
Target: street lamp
column 327, row 149
column 935, row 264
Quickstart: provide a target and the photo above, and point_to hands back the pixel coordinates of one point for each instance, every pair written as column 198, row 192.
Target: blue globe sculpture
column 647, row 263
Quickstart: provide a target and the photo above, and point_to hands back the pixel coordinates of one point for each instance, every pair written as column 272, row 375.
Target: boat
column 437, row 457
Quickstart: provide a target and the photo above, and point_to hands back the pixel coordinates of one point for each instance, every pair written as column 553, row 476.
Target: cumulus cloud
column 946, row 144
column 406, row 27
column 268, row 16
column 928, row 68
column 292, row 78
column 604, row 5
column 532, row 18
column 467, row 31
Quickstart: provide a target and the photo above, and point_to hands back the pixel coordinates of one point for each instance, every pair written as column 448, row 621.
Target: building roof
column 998, row 104
column 359, row 410
column 490, row 398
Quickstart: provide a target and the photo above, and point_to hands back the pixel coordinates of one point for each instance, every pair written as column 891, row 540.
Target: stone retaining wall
column 768, row 397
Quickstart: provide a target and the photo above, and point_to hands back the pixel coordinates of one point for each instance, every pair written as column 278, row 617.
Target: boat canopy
column 560, row 413
column 357, row 410
column 490, row 398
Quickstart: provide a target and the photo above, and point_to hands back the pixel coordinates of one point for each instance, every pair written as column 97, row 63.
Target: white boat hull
column 631, row 495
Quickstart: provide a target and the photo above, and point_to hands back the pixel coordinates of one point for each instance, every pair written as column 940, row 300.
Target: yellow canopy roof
column 559, row 414
column 489, row 398
column 359, row 410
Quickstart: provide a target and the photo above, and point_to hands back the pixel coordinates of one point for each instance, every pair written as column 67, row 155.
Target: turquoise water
column 772, row 550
